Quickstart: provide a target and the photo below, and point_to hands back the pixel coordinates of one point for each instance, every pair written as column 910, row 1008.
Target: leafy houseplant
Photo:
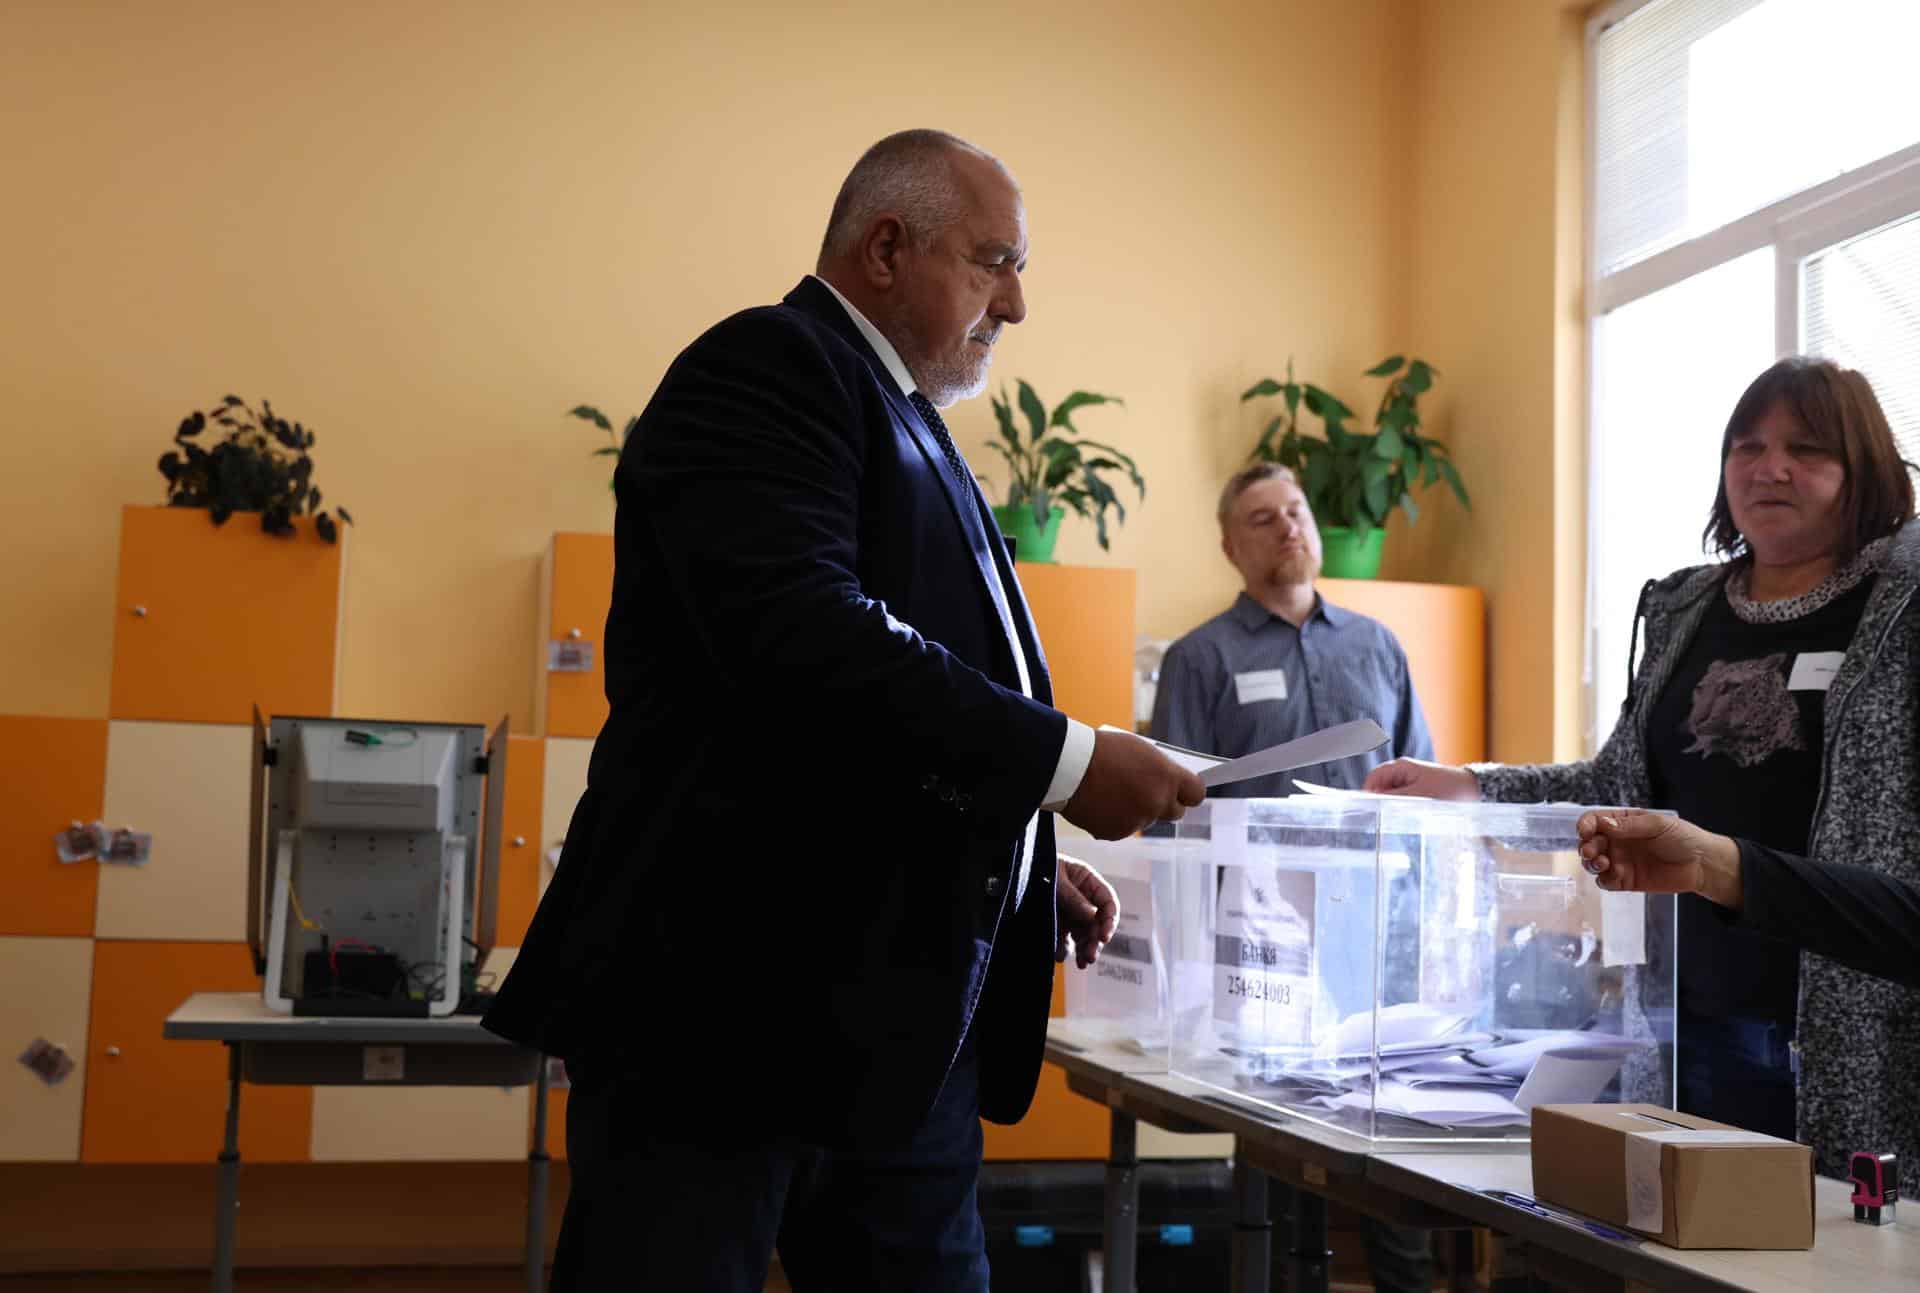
column 262, row 465
column 588, row 413
column 1047, row 471
column 1354, row 479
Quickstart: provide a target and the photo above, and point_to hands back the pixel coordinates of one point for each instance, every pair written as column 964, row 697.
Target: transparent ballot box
column 1124, row 996
column 1409, row 970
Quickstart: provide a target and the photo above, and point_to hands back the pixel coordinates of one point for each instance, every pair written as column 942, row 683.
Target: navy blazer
column 793, row 864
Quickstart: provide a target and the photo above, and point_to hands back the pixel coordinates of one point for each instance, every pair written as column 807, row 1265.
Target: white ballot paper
column 1338, row 742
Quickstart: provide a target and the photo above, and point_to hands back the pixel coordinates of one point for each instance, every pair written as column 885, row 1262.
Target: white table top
column 244, row 1017
column 1097, row 1049
column 1845, row 1254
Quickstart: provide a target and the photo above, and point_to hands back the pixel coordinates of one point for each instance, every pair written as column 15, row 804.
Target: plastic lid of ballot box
column 1401, row 969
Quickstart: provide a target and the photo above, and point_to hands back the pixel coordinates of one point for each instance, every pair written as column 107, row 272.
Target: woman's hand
column 1632, row 849
column 1419, row 777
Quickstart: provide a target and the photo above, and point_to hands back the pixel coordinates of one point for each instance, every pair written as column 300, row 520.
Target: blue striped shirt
column 1247, row 679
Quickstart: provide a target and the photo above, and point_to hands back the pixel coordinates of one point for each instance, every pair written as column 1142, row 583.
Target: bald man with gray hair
column 910, row 175
column 769, row 1050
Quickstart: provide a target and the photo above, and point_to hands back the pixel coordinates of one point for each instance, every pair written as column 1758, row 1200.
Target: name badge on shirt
column 1814, row 670
column 1261, row 684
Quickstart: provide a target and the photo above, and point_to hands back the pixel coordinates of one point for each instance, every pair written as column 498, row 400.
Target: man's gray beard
column 945, row 388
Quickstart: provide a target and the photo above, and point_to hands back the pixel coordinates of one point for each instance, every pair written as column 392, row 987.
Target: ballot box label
column 1263, row 954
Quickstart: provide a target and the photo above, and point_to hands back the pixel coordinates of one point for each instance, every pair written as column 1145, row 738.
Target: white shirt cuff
column 1076, row 752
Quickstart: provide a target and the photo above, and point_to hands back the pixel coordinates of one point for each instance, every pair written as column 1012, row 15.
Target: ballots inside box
column 1407, row 970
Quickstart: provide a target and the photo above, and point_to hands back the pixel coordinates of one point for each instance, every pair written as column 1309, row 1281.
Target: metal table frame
column 1317, row 1164
column 284, row 1049
column 1437, row 1186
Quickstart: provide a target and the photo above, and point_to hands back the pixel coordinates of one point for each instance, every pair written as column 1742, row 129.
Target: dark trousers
column 663, row 1201
column 1737, row 1070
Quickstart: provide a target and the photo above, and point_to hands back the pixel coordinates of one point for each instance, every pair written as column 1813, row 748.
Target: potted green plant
column 1354, row 479
column 588, row 413
column 1051, row 467
column 262, row 464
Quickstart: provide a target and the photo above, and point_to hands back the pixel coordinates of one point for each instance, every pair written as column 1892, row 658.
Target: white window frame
column 1795, row 227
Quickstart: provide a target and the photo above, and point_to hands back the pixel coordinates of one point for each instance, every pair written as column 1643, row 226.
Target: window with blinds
column 1706, row 110
column 1755, row 179
column 1861, row 307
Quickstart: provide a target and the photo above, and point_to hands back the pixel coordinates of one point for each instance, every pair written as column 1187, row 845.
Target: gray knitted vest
column 1859, row 1036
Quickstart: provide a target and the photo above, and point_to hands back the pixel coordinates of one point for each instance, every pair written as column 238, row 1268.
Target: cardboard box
column 1688, row 1182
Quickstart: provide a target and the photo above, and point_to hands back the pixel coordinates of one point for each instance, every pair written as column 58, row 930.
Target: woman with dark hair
column 1777, row 713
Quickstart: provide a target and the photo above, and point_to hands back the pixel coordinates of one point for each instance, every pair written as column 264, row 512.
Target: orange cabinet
column 212, row 620
column 1443, row 629
column 568, row 760
column 520, row 845
column 372, row 1124
column 52, row 772
column 1060, row 1124
column 556, row 1118
column 149, row 1100
column 186, row 783
column 40, row 1122
column 1085, row 618
column 576, row 588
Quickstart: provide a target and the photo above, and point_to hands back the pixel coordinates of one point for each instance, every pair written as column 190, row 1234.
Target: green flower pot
column 1030, row 542
column 1350, row 554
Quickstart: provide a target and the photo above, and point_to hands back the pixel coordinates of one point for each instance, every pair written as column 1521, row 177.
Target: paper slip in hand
column 1340, row 742
column 1191, row 760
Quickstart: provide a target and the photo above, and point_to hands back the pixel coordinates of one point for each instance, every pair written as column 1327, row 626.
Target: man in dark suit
column 802, row 933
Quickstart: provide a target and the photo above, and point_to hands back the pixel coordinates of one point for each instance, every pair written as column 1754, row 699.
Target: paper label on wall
column 1125, row 980
column 1260, row 684
column 131, row 848
column 1814, row 670
column 569, row 655
column 383, row 1063
column 48, row 1061
column 79, row 842
column 1263, row 955
column 1623, row 928
column 1646, row 1201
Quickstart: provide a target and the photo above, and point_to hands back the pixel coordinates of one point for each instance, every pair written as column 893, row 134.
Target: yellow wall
column 1494, row 300
column 426, row 230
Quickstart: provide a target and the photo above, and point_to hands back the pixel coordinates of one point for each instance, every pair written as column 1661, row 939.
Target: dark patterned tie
column 936, row 424
column 963, row 480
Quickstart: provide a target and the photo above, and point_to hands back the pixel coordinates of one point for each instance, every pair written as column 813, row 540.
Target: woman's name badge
column 1814, row 670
